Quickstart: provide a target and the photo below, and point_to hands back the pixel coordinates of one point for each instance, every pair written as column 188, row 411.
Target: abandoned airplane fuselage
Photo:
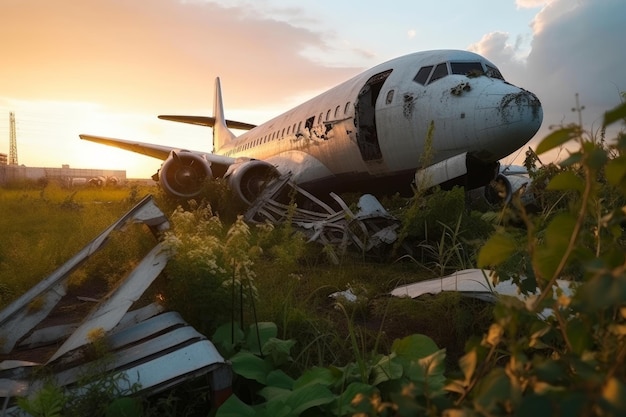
column 368, row 134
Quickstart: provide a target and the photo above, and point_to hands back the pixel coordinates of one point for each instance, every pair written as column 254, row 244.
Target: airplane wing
column 156, row 151
column 207, row 121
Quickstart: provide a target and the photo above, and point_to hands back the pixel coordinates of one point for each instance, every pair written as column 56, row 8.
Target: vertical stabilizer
column 221, row 134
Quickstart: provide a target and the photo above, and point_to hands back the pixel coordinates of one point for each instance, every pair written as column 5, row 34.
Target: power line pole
column 12, row 140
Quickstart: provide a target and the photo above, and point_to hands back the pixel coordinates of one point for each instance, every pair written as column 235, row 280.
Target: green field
column 378, row 356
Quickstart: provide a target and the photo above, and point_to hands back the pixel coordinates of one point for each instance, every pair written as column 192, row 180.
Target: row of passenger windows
column 431, row 73
column 294, row 129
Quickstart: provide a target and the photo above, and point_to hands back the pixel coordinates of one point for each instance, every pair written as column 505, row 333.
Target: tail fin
column 221, row 134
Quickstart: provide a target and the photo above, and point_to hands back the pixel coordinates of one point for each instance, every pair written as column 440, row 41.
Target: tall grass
column 43, row 228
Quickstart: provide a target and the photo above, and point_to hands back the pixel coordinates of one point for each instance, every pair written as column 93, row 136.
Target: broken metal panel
column 17, row 319
column 465, row 281
column 367, row 229
column 156, row 351
column 476, row 283
column 155, row 325
column 109, row 313
column 47, row 335
column 153, row 356
column 137, row 316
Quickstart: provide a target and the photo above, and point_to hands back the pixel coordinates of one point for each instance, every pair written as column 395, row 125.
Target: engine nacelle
column 183, row 173
column 499, row 192
column 248, row 179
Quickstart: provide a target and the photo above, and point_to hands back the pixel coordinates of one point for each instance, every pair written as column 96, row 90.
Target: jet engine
column 183, row 173
column 499, row 191
column 248, row 179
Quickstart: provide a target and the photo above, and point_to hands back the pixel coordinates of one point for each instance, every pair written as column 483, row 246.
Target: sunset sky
column 109, row 67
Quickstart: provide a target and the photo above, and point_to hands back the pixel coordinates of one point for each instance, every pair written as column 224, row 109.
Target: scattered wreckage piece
column 368, row 228
column 475, row 283
column 18, row 318
column 150, row 350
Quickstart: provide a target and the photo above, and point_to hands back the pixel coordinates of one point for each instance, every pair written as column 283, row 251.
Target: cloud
column 530, row 4
column 165, row 54
column 577, row 47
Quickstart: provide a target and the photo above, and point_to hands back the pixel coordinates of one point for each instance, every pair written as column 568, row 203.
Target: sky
column 109, row 67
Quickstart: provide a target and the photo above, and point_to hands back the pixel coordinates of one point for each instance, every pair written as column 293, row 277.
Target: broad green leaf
column 234, row 407
column 548, row 370
column 579, row 336
column 566, row 180
column 316, row 375
column 612, row 116
column 224, row 339
column 414, row 347
column 548, row 257
column 616, row 170
column 496, row 250
column 386, row 368
column 278, row 378
column 343, row 405
column 278, row 350
column 596, row 158
column 266, row 330
column 274, row 393
column 307, row 397
column 602, row 291
column 250, row 366
column 492, row 391
column 427, row 373
column 556, row 138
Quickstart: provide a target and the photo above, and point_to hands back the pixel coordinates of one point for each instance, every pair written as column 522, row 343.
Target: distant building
column 3, row 159
column 65, row 174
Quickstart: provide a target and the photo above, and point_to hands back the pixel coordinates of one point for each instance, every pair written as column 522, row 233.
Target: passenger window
column 347, row 108
column 337, row 111
column 422, row 75
column 440, row 71
column 389, row 98
column 309, row 122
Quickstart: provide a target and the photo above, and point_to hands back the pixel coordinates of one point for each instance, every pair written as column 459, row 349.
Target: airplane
column 368, row 134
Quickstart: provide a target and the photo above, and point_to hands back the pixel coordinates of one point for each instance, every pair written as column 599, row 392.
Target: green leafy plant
column 563, row 352
column 413, row 369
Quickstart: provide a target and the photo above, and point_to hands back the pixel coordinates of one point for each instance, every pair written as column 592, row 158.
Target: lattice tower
column 12, row 140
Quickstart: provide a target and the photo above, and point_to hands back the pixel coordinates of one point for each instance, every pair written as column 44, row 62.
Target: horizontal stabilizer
column 207, row 121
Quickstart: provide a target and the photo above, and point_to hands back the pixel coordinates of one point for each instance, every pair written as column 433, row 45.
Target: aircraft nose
column 507, row 118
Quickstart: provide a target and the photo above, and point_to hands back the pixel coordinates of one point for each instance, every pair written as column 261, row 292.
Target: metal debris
column 476, row 283
column 370, row 227
column 152, row 350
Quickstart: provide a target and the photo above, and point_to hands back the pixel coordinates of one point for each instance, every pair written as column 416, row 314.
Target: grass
column 44, row 228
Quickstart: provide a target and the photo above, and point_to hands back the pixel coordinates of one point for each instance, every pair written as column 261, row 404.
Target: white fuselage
column 376, row 125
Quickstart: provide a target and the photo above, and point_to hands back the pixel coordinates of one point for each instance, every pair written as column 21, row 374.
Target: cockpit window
column 422, row 75
column 440, row 71
column 494, row 72
column 470, row 69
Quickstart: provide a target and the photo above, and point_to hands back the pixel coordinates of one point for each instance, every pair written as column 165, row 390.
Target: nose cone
column 507, row 118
